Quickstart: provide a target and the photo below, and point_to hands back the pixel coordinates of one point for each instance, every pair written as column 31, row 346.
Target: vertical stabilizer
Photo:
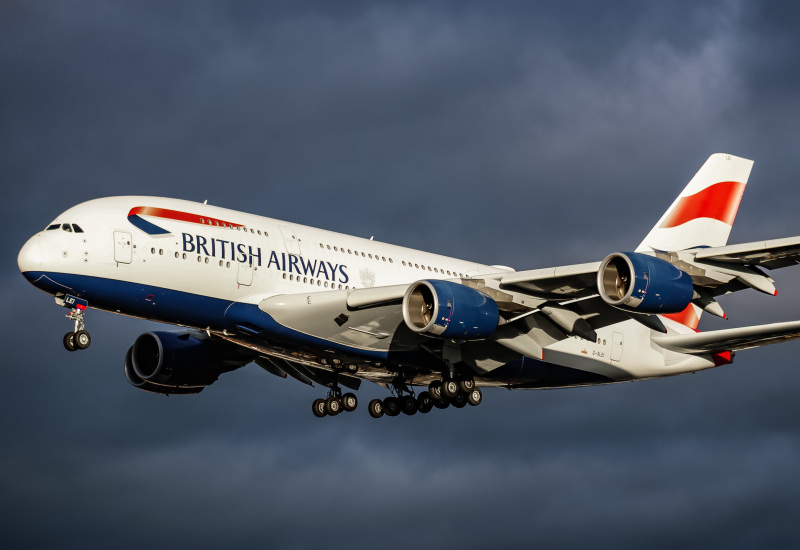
column 703, row 214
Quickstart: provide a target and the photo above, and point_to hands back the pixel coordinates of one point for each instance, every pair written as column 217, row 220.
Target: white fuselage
column 186, row 263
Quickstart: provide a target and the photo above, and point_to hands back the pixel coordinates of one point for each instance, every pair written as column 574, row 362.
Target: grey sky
column 517, row 133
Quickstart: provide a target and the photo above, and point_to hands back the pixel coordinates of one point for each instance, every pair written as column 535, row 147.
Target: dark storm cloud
column 514, row 133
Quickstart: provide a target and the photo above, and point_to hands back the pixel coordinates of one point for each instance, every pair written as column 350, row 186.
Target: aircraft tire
column 69, row 341
column 450, row 388
column 460, row 400
column 424, row 402
column 349, row 402
column 442, row 403
column 408, row 405
column 319, row 408
column 435, row 390
column 82, row 339
column 467, row 385
column 391, row 406
column 333, row 406
column 375, row 408
column 475, row 397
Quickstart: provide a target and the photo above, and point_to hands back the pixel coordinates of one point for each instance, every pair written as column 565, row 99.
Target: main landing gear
column 440, row 394
column 78, row 338
column 334, row 403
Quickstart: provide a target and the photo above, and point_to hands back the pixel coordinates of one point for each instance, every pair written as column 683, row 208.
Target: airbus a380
column 333, row 309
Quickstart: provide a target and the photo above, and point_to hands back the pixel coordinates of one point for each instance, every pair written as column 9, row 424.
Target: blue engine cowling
column 179, row 363
column 449, row 310
column 644, row 284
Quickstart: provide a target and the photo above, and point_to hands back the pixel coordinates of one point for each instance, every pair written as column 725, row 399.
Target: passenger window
column 66, row 228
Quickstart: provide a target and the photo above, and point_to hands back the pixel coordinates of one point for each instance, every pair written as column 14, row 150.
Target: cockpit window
column 66, row 227
column 76, row 228
column 54, row 226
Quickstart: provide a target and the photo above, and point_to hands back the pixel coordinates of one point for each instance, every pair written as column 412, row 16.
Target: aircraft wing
column 569, row 281
column 772, row 254
column 574, row 281
column 731, row 339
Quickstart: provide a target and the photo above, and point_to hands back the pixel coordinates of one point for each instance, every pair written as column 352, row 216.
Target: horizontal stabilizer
column 731, row 339
column 770, row 254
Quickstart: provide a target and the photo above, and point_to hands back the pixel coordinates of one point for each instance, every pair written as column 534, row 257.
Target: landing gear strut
column 78, row 338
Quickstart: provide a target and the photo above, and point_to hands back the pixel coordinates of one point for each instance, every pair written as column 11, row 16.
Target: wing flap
column 772, row 254
column 732, row 339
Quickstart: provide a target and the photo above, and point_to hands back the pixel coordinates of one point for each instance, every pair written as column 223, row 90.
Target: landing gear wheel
column 442, row 403
column 475, row 397
column 375, row 408
column 460, row 400
column 319, row 408
column 424, row 402
column 69, row 341
column 349, row 402
column 467, row 385
column 82, row 339
column 333, row 406
column 435, row 390
column 391, row 406
column 449, row 388
column 408, row 404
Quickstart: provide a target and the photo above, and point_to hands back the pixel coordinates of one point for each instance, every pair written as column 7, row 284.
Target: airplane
column 334, row 310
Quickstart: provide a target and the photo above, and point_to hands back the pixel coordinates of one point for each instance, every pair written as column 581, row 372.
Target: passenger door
column 616, row 347
column 245, row 274
column 123, row 247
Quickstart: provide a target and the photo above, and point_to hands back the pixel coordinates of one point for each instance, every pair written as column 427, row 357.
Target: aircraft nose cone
column 30, row 256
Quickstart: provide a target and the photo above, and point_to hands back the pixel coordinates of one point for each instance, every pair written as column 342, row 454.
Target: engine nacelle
column 644, row 284
column 145, row 385
column 178, row 363
column 449, row 310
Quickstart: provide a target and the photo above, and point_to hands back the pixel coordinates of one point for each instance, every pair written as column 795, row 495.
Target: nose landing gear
column 78, row 338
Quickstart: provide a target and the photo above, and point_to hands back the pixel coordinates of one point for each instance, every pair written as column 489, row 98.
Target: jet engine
column 449, row 310
column 644, row 284
column 179, row 363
